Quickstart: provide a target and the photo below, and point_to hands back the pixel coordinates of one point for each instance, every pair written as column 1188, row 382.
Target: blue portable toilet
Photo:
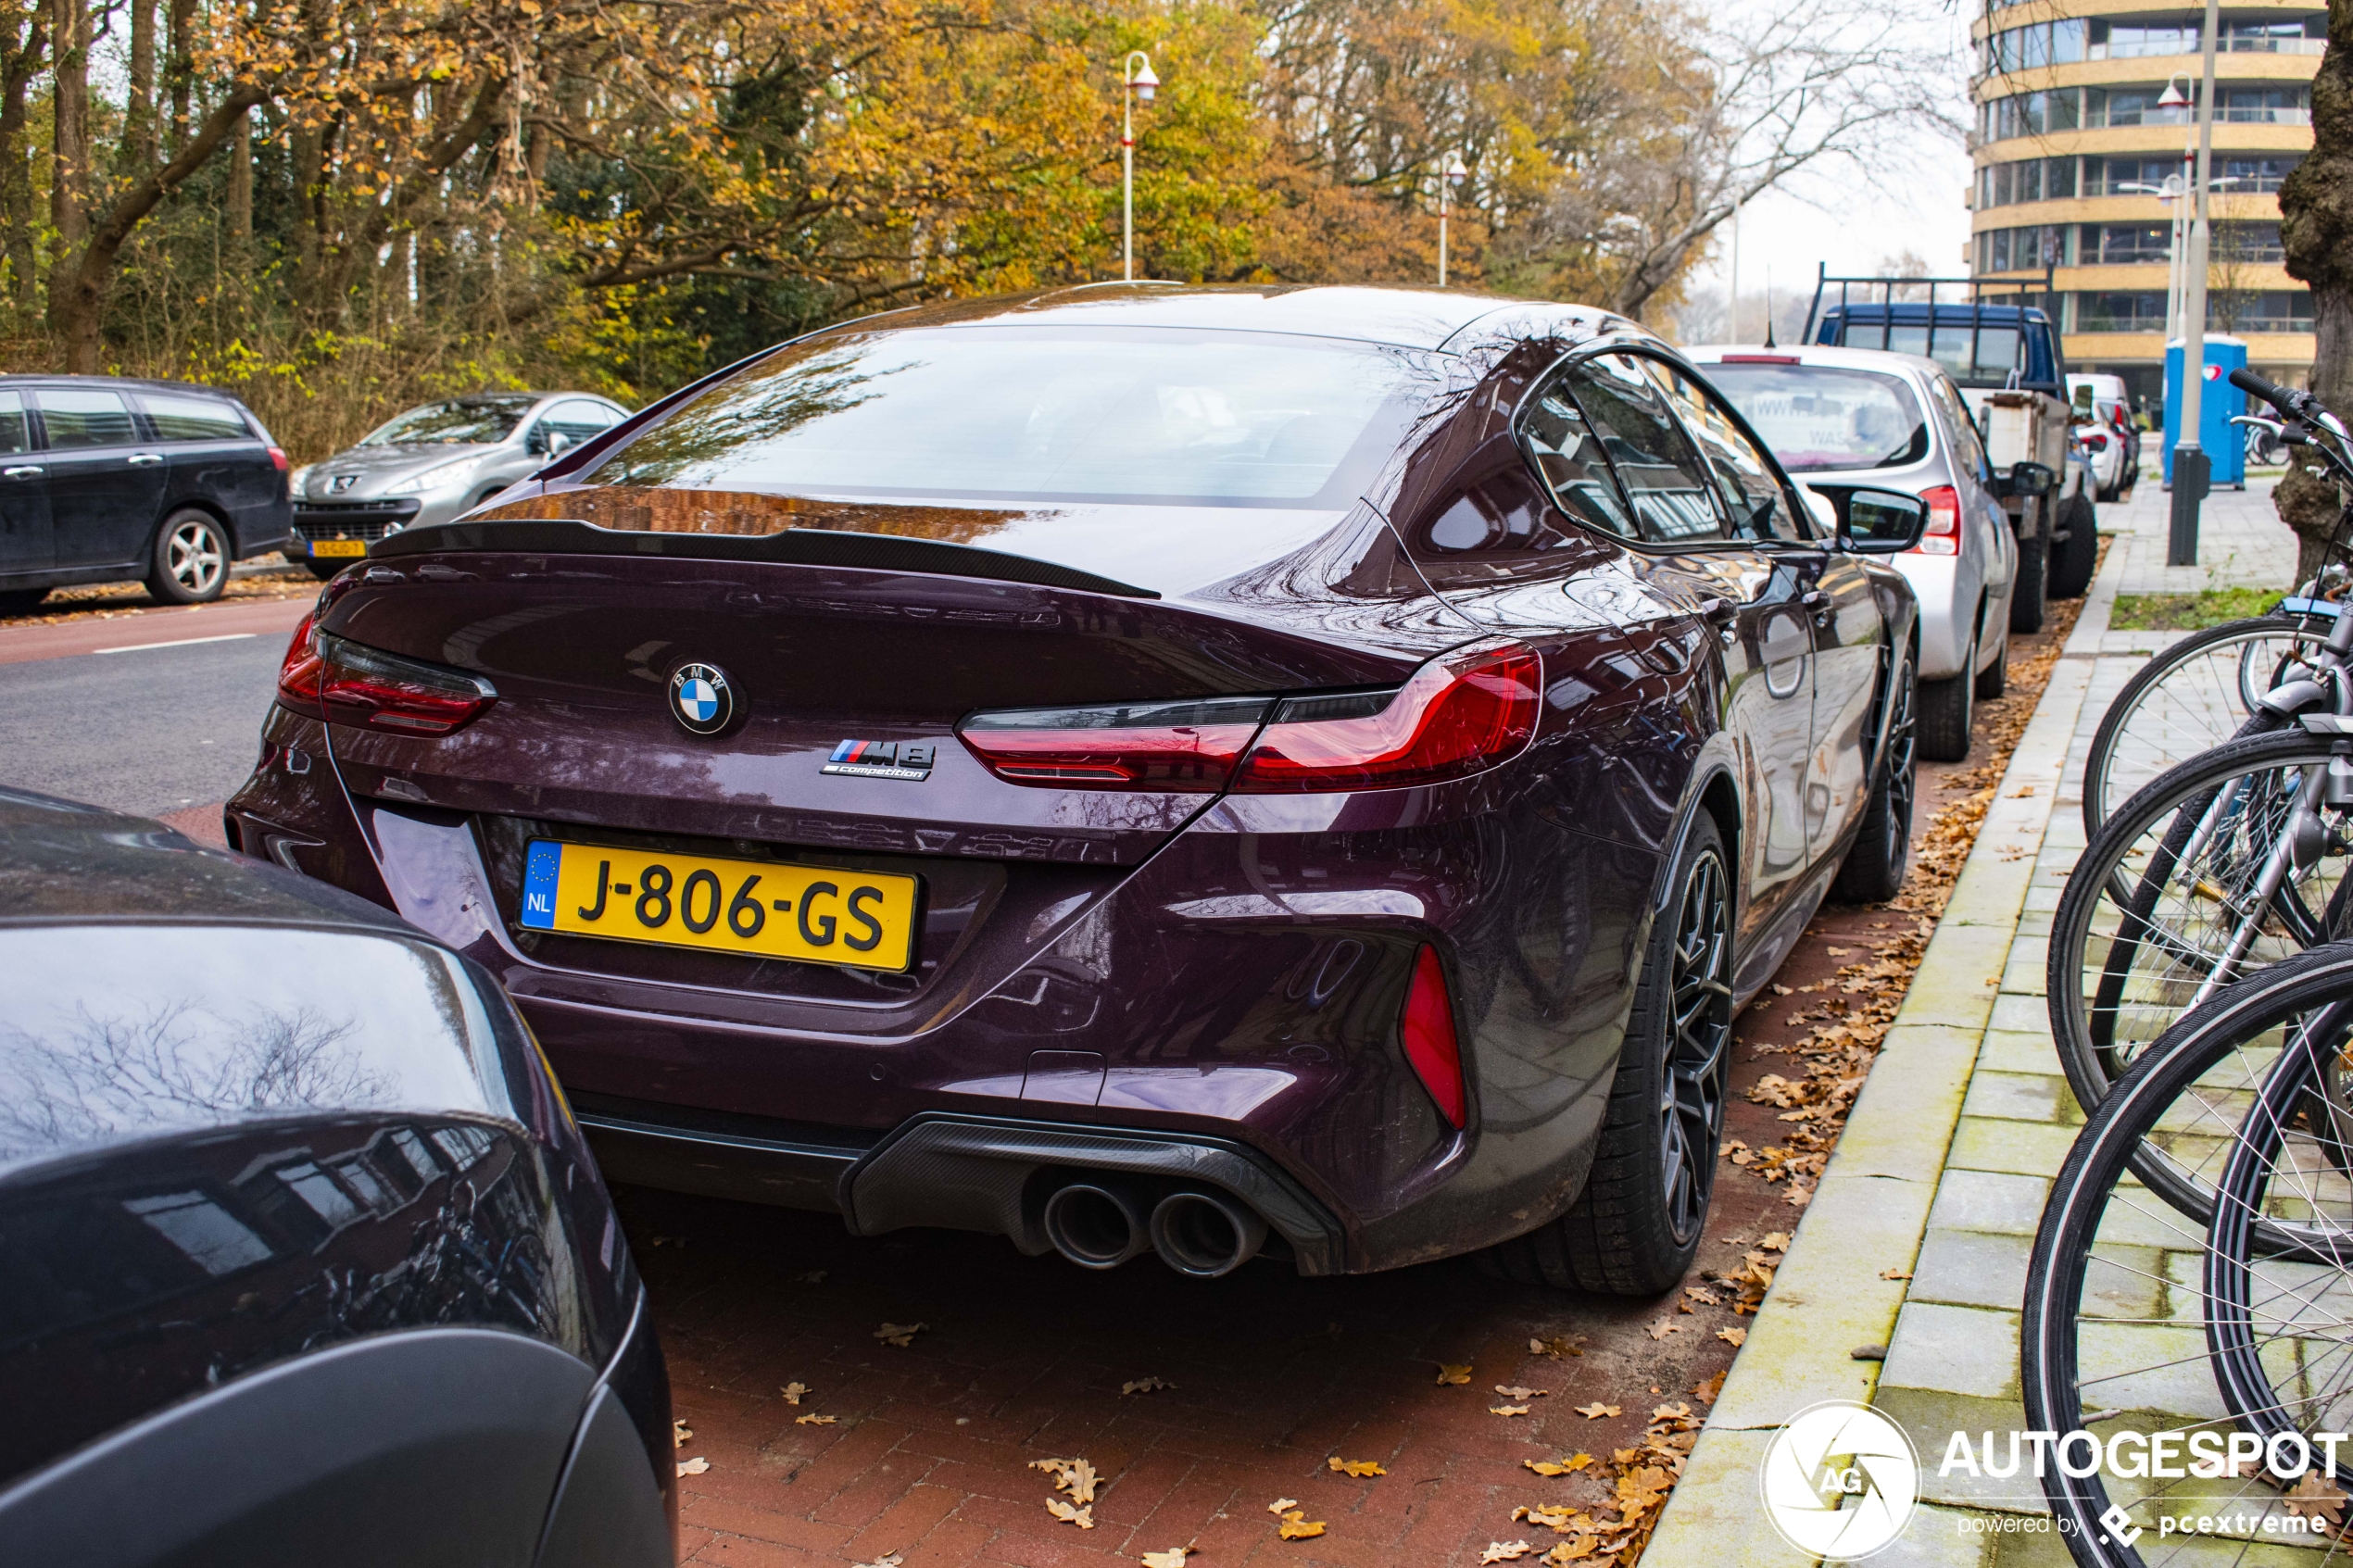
column 2219, row 402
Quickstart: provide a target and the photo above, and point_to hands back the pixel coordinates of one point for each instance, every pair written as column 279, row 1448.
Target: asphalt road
column 151, row 730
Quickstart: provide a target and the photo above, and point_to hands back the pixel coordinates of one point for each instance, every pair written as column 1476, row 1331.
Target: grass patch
column 2189, row 612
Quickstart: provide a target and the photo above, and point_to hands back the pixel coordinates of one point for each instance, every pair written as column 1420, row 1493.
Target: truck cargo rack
column 2008, row 292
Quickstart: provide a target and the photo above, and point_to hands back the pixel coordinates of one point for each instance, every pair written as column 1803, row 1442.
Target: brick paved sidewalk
column 1946, row 1163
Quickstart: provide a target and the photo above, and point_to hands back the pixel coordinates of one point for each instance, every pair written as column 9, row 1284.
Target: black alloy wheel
column 1690, row 1108
column 1636, row 1227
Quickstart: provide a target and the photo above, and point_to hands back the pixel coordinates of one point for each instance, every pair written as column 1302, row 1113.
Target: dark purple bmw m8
column 1218, row 772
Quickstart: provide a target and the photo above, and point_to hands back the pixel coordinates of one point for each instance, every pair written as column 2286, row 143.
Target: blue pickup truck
column 2008, row 360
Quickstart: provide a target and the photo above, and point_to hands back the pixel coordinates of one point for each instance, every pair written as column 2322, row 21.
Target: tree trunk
column 2316, row 230
column 69, row 190
column 241, row 184
column 21, row 63
column 139, row 107
column 181, row 70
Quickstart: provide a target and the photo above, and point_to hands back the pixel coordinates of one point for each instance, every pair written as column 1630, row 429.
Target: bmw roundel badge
column 701, row 699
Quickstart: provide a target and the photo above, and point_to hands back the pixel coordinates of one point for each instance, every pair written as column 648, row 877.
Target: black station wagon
column 104, row 480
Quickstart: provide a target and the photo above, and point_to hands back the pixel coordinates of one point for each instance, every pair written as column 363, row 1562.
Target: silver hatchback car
column 434, row 463
column 1839, row 417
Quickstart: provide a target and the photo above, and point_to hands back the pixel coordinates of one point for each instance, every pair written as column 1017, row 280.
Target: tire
column 1875, row 861
column 1947, row 707
column 2026, row 592
column 1995, row 679
column 2186, row 700
column 22, row 601
column 188, row 563
column 1636, row 1227
column 2073, row 560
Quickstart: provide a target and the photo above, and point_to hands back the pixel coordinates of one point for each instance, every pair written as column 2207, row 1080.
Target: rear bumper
column 1940, row 585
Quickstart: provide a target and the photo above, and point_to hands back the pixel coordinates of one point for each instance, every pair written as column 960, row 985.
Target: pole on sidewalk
column 2192, row 468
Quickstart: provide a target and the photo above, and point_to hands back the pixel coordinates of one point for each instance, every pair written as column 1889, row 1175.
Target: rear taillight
column 324, row 676
column 278, row 459
column 1185, row 747
column 1425, row 1029
column 1942, row 534
column 1460, row 714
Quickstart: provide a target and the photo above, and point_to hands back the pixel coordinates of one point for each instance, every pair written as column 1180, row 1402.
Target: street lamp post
column 1451, row 176
column 2190, row 467
column 1136, row 72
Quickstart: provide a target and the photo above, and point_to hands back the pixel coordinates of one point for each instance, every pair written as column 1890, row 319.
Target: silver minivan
column 436, row 461
column 1839, row 417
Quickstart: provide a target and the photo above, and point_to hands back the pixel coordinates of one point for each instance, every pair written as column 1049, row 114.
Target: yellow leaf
column 1073, row 1475
column 1734, row 1336
column 1173, row 1558
column 1545, row 1467
column 1281, row 1504
column 1357, row 1467
column 1895, row 1274
column 1505, row 1551
column 680, row 1431
column 1596, row 1410
column 793, row 1391
column 1706, row 1390
column 1082, row 1517
column 1449, row 1374
column 1570, row 1552
column 1775, row 1241
column 693, row 1466
column 812, row 1420
column 1558, row 1345
column 1515, row 1392
column 1507, row 1409
column 900, row 1335
column 1146, row 1386
column 1297, row 1527
column 1662, row 1328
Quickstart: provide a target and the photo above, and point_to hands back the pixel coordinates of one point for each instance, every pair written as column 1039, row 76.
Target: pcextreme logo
column 1840, row 1480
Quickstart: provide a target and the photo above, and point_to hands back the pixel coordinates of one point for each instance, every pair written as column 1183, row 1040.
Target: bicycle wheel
column 2193, row 883
column 2188, row 698
column 2140, row 1319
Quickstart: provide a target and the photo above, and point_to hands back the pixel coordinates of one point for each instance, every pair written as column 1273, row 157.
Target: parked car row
column 105, row 480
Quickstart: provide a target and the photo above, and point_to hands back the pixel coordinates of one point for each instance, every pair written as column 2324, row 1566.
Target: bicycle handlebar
column 2286, row 399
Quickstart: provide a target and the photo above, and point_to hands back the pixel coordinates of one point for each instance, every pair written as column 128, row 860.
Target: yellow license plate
column 338, row 546
column 818, row 914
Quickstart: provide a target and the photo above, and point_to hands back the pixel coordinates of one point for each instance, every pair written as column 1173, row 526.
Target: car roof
column 1403, row 317
column 62, row 862
column 136, row 384
column 1817, row 353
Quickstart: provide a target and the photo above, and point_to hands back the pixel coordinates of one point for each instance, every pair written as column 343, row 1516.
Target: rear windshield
column 1092, row 414
column 1982, row 353
column 1819, row 418
column 462, row 421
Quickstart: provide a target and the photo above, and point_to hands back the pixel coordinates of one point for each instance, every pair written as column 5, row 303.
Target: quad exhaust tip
column 1102, row 1224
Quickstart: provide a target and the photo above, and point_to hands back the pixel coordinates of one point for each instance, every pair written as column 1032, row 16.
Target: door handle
column 143, row 459
column 23, row 470
column 1817, row 601
column 1718, row 613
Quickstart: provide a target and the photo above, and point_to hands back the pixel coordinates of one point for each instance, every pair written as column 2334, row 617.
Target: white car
column 1850, row 416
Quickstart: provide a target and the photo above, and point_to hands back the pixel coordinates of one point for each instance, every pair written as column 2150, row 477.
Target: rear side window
column 192, row 419
column 1567, row 453
column 1958, row 425
column 14, row 435
column 1673, row 496
column 76, row 417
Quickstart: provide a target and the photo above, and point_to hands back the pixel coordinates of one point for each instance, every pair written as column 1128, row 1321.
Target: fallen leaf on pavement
column 693, row 1466
column 1449, row 1374
column 1297, row 1527
column 793, row 1391
column 2023, row 792
column 1732, row 1337
column 1558, row 1345
column 899, row 1334
column 679, row 1433
column 1775, row 1241
column 2314, row 1498
column 1507, row 1409
column 1503, row 1552
column 1281, row 1504
column 1838, row 952
column 1895, row 1274
column 1146, row 1386
column 1358, row 1467
column 893, row 1561
column 1706, row 1390
column 1082, row 1517
column 1173, row 1558
column 1073, row 1475
column 1782, row 991
column 1597, row 1409
column 1515, row 1392
column 812, row 1420
column 1558, row 1467
column 1662, row 1328
column 1568, row 1552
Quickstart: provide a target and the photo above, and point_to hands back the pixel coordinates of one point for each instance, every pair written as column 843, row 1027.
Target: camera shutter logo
column 1840, row 1480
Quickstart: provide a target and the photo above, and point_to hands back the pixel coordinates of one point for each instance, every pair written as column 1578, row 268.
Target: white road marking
column 179, row 643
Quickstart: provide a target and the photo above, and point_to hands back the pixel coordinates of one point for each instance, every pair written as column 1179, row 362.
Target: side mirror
column 556, row 440
column 1879, row 522
column 2024, row 479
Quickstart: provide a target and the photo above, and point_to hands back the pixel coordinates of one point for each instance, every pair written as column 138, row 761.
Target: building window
column 2138, row 311
column 2261, row 310
column 2244, row 244
column 2307, row 37
column 2129, row 105
column 2117, row 176
column 2036, row 180
column 2258, row 174
column 2024, row 48
column 2264, row 106
column 2133, row 245
column 2030, row 114
column 2030, row 248
column 2135, row 41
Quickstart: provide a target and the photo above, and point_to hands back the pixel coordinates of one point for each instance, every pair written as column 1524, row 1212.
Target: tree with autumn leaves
column 334, row 206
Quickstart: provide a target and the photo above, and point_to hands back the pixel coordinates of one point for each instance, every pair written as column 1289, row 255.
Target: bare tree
column 1820, row 86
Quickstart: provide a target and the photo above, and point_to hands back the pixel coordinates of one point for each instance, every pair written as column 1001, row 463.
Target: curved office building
column 2074, row 148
